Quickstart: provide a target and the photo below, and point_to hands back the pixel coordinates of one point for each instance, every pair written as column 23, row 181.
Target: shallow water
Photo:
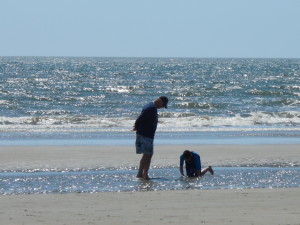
column 162, row 179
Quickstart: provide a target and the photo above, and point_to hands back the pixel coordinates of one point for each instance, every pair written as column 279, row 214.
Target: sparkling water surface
column 84, row 98
column 162, row 179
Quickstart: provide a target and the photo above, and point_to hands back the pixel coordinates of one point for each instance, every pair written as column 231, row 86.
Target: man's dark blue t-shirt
column 193, row 166
column 146, row 123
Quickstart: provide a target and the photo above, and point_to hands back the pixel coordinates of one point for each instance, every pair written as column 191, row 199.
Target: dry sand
column 248, row 206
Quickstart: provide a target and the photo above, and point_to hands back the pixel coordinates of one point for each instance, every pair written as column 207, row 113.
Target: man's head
column 187, row 155
column 161, row 102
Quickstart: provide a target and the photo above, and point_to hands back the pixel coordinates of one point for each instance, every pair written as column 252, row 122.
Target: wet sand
column 248, row 206
column 97, row 157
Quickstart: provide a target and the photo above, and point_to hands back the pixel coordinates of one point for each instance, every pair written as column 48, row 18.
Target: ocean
column 95, row 101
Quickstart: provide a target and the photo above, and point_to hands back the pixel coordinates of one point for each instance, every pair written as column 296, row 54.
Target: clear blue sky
column 150, row 28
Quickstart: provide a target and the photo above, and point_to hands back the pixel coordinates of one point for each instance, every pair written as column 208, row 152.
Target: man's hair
column 187, row 154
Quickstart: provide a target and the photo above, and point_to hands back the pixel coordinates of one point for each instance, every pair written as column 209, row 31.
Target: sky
column 150, row 28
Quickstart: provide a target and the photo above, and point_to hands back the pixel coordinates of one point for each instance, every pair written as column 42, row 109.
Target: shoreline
column 163, row 138
column 18, row 158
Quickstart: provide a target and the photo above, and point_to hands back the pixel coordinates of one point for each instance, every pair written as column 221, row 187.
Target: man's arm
column 146, row 119
column 181, row 161
column 181, row 171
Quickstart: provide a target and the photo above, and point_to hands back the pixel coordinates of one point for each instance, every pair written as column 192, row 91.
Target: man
column 193, row 165
column 145, row 127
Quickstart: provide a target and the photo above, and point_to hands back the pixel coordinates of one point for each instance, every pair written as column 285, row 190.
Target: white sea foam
column 258, row 121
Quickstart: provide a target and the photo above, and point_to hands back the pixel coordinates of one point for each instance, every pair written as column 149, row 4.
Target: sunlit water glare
column 163, row 179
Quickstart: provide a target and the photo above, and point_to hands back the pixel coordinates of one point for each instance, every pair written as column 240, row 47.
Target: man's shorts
column 143, row 145
column 191, row 170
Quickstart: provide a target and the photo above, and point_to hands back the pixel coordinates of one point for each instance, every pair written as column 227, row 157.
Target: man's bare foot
column 139, row 176
column 211, row 170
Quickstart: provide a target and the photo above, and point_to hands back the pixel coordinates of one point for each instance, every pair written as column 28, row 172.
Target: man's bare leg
column 209, row 168
column 141, row 168
column 147, row 163
column 144, row 167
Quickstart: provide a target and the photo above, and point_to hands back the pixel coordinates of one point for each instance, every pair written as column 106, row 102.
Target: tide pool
column 163, row 179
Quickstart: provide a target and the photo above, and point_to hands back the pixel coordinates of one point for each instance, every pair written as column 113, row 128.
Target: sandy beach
column 248, row 206
column 97, row 157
